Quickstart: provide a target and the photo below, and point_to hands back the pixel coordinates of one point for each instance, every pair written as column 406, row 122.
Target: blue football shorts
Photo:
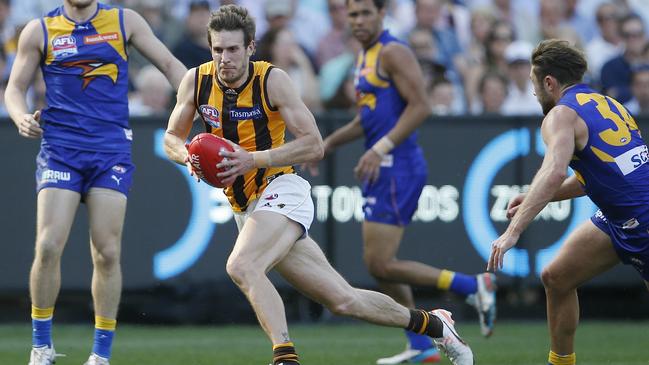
column 77, row 170
column 393, row 199
column 631, row 245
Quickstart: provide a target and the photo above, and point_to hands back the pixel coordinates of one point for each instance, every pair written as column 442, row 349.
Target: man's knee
column 378, row 268
column 241, row 271
column 554, row 282
column 343, row 304
column 107, row 257
column 49, row 250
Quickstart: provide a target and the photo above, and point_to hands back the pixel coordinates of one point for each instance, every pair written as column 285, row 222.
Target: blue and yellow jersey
column 86, row 78
column 612, row 167
column 380, row 106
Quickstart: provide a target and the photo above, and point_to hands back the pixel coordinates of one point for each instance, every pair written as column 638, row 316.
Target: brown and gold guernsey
column 244, row 116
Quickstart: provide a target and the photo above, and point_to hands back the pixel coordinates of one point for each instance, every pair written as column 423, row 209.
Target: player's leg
column 586, row 253
column 106, row 211
column 56, row 209
column 380, row 245
column 265, row 239
column 307, row 269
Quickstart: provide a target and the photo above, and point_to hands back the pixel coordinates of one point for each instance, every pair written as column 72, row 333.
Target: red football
column 204, row 155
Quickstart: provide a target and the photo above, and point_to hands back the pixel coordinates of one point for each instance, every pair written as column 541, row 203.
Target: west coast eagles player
column 85, row 156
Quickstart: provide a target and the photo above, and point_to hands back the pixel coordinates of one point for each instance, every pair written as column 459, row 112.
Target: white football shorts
column 288, row 195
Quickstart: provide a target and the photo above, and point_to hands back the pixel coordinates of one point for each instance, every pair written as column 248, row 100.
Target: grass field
column 619, row 343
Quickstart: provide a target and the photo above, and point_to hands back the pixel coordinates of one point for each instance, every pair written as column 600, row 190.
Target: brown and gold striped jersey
column 244, row 116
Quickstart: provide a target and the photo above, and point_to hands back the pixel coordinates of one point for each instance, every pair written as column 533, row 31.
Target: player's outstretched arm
column 22, row 73
column 307, row 145
column 181, row 119
column 558, row 130
column 139, row 33
column 402, row 67
column 347, row 133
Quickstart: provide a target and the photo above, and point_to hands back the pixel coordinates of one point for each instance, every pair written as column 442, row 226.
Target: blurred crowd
column 474, row 53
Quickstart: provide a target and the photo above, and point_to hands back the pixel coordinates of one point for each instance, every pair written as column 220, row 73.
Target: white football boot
column 428, row 356
column 484, row 301
column 457, row 351
column 95, row 359
column 43, row 356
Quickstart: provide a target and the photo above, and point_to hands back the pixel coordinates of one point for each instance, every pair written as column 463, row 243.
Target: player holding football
column 85, row 148
column 594, row 135
column 255, row 103
column 392, row 104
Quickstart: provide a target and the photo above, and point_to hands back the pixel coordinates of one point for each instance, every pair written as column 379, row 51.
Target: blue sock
column 103, row 343
column 42, row 332
column 464, row 284
column 418, row 342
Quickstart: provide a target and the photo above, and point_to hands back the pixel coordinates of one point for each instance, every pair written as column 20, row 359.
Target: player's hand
column 234, row 163
column 368, row 167
column 29, row 126
column 312, row 167
column 498, row 249
column 514, row 204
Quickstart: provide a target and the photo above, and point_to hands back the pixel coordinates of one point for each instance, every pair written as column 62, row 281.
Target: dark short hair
column 557, row 58
column 231, row 18
column 380, row 4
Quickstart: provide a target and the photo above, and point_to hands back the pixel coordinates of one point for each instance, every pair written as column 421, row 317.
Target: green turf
column 520, row 343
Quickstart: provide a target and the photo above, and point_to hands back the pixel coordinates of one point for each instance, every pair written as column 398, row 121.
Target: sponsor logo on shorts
column 267, row 205
column 119, row 169
column 53, row 176
column 272, row 197
column 211, row 115
column 64, row 46
column 128, row 133
column 117, row 179
column 280, row 206
column 100, row 38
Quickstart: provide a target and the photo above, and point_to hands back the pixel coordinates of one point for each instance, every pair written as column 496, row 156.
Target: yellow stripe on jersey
column 108, row 26
column 602, row 155
column 244, row 116
column 370, row 69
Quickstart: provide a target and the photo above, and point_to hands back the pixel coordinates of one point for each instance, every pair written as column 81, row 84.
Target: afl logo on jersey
column 210, row 115
column 64, row 46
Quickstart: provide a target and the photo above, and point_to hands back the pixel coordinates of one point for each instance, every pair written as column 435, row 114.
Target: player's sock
column 422, row 322
column 418, row 342
column 285, row 353
column 555, row 359
column 42, row 326
column 104, row 333
column 457, row 282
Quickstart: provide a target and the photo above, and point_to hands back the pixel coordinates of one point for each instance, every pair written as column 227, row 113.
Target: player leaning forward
column 255, row 102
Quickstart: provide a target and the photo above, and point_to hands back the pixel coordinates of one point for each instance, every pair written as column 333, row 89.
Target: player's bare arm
column 180, row 121
column 24, row 68
column 558, row 131
column 349, row 132
column 571, row 188
column 399, row 64
column 307, row 145
column 139, row 34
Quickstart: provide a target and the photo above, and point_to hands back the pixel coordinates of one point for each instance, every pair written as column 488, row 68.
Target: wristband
column 262, row 159
column 383, row 146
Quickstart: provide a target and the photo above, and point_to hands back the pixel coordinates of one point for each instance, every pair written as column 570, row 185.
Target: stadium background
column 178, row 234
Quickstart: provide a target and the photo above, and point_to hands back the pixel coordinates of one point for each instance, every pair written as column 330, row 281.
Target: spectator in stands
column 152, row 94
column 519, row 14
column 193, row 49
column 334, row 42
column 585, row 25
column 520, row 93
column 493, row 91
column 501, row 35
column 616, row 73
column 441, row 96
column 3, row 84
column 607, row 44
column 639, row 104
column 428, row 16
column 279, row 47
column 554, row 24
